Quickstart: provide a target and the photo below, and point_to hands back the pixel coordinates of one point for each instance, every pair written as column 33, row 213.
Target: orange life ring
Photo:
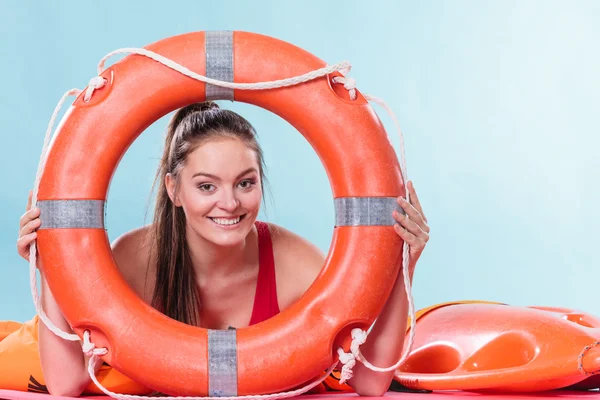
column 171, row 357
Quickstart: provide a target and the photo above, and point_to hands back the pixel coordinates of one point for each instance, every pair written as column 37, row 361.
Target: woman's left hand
column 412, row 227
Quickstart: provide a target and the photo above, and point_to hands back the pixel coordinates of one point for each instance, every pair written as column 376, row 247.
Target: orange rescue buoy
column 174, row 358
column 494, row 347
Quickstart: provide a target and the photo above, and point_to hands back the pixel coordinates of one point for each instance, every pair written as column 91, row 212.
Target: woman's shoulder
column 133, row 241
column 297, row 262
column 132, row 252
column 292, row 243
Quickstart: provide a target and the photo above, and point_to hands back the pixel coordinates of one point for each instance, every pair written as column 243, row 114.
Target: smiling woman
column 210, row 191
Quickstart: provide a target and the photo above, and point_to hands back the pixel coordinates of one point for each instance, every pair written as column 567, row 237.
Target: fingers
column 411, row 226
column 28, row 216
column 29, row 200
column 415, row 200
column 30, row 227
column 413, row 214
column 28, row 223
column 23, row 244
column 416, row 244
column 407, row 223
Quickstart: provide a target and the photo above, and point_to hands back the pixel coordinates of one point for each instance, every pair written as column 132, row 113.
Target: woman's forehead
column 222, row 158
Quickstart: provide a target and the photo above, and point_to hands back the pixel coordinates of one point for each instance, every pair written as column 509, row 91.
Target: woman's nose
column 229, row 202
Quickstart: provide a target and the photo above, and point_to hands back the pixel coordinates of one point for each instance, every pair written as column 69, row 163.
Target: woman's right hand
column 28, row 224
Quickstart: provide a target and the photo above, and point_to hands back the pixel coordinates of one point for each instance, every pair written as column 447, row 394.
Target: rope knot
column 349, row 84
column 96, row 82
column 89, row 348
column 359, row 336
column 348, row 360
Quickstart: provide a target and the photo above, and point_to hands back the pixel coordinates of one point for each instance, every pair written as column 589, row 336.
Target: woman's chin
column 227, row 241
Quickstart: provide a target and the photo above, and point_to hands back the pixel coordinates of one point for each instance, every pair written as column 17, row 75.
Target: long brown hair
column 175, row 292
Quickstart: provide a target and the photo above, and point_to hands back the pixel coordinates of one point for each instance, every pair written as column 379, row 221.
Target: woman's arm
column 384, row 344
column 383, row 347
column 63, row 363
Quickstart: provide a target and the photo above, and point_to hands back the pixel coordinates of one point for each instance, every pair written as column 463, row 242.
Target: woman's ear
column 170, row 186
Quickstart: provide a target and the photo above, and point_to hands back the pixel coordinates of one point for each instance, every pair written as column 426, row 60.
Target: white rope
column 33, row 248
column 348, row 360
column 358, row 336
column 349, row 84
column 343, row 67
column 96, row 82
column 273, row 396
column 90, row 349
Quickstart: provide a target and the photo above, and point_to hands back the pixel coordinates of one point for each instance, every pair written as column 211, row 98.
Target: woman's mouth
column 226, row 222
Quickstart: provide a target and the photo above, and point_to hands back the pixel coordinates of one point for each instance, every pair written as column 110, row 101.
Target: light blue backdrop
column 499, row 102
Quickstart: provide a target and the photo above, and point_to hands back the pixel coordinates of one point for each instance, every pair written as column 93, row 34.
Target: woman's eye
column 207, row 187
column 246, row 184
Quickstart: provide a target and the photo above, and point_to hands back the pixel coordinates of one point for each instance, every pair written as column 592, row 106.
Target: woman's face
column 219, row 190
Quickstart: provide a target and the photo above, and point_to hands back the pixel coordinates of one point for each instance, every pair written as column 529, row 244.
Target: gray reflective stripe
column 219, row 63
column 71, row 213
column 222, row 363
column 360, row 211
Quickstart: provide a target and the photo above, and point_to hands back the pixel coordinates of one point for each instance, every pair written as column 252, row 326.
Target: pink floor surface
column 594, row 395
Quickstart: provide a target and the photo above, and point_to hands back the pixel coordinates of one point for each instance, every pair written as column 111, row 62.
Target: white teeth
column 224, row 221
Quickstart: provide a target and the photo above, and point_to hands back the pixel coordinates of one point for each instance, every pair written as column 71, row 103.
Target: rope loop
column 89, row 348
column 349, row 84
column 95, row 83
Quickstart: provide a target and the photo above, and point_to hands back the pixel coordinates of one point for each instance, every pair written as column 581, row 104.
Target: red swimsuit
column 265, row 299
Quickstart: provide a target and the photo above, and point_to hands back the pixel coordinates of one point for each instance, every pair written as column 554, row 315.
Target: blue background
column 498, row 101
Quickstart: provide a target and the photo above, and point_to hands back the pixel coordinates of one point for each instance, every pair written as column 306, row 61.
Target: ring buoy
column 174, row 358
column 497, row 347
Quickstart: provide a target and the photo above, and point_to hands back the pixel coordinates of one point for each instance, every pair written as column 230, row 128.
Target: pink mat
column 14, row 395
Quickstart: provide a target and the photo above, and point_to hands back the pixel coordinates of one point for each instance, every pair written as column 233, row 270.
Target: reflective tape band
column 59, row 214
column 366, row 211
column 219, row 63
column 222, row 363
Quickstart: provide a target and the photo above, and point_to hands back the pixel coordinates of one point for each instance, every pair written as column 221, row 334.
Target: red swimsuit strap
column 265, row 299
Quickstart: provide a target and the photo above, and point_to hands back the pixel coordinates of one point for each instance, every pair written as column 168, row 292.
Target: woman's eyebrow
column 252, row 169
